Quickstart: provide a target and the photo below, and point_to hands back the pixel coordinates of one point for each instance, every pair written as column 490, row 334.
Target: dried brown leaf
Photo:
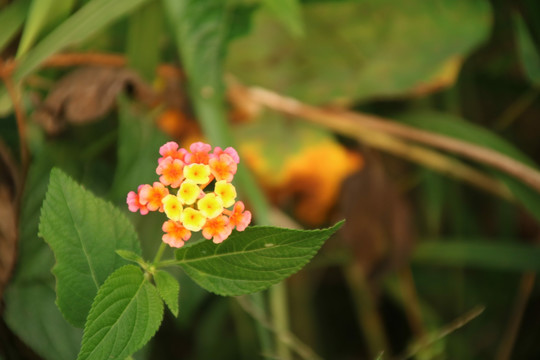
column 9, row 191
column 88, row 93
column 379, row 229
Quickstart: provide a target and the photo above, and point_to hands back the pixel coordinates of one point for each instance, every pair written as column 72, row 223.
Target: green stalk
column 201, row 30
column 143, row 40
column 219, row 132
column 367, row 315
column 280, row 313
column 265, row 338
column 211, row 116
column 159, row 253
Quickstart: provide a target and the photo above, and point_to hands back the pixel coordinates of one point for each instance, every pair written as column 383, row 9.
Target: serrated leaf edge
column 331, row 230
column 54, row 269
column 175, row 313
column 92, row 309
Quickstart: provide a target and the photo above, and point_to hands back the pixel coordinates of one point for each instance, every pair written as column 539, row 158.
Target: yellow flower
column 188, row 192
column 198, row 173
column 210, row 205
column 192, row 219
column 172, row 207
column 226, row 191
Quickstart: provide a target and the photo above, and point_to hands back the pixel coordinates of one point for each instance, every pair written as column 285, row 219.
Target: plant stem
column 512, row 329
column 264, row 335
column 366, row 126
column 279, row 309
column 159, row 253
column 166, row 263
column 410, row 302
column 516, row 109
column 304, row 351
column 7, row 69
column 441, row 333
column 368, row 317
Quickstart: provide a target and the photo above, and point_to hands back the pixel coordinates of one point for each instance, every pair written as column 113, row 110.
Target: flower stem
column 166, row 263
column 159, row 253
column 265, row 339
column 280, row 314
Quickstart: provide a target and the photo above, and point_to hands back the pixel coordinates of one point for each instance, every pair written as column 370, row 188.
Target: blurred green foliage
column 465, row 69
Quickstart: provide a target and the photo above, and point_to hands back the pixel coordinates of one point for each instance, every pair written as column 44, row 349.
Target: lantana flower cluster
column 183, row 194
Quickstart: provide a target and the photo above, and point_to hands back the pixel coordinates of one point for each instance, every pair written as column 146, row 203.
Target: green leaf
column 143, row 42
column 43, row 15
column 84, row 232
column 125, row 314
column 91, row 18
column 240, row 17
column 360, row 49
column 289, row 13
column 456, row 127
column 252, row 260
column 192, row 297
column 32, row 315
column 30, row 310
column 529, row 198
column 530, row 59
column 507, row 256
column 201, row 40
column 130, row 256
column 530, row 12
column 201, row 33
column 434, row 195
column 138, row 146
column 11, row 19
column 138, row 150
column 169, row 289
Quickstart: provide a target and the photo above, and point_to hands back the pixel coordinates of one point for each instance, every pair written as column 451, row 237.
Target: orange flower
column 199, row 153
column 239, row 217
column 151, row 196
column 171, row 149
column 175, row 234
column 229, row 151
column 223, row 167
column 134, row 203
column 193, row 209
column 171, row 171
column 217, row 228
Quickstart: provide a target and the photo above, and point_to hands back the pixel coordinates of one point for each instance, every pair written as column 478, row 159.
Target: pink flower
column 229, row 151
column 151, row 196
column 190, row 208
column 217, row 228
column 223, row 167
column 175, row 234
column 239, row 217
column 134, row 203
column 171, row 149
column 171, row 171
column 199, row 153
